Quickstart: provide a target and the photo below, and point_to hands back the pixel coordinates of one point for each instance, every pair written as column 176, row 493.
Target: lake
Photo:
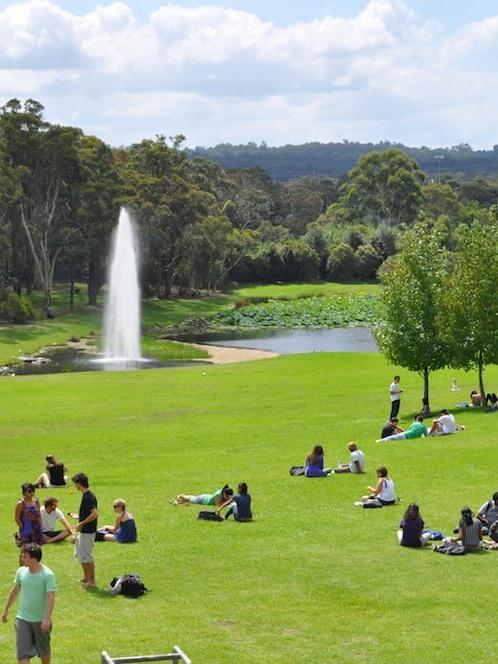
column 287, row 341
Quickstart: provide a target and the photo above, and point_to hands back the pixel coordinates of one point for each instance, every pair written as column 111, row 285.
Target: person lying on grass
column 124, row 530
column 469, row 532
column 314, row 463
column 391, row 427
column 382, row 493
column 216, row 498
column 239, row 505
column 416, row 429
column 357, row 461
column 50, row 514
column 411, row 532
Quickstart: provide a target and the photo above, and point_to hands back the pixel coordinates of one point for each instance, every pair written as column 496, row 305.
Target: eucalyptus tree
column 155, row 183
column 47, row 163
column 384, row 187
column 408, row 331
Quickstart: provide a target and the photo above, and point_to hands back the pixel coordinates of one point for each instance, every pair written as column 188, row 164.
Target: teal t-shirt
column 34, row 589
column 416, row 429
column 211, row 500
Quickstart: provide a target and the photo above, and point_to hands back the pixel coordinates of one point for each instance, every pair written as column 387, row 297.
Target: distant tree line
column 289, row 162
column 201, row 227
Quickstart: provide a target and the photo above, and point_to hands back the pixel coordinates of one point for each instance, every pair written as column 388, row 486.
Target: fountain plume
column 122, row 307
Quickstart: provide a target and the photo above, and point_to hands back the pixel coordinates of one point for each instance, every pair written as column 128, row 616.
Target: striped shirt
column 471, row 534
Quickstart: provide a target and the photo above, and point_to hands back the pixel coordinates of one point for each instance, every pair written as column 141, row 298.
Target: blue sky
column 415, row 71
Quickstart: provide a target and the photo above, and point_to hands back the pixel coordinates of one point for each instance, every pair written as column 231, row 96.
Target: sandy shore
column 229, row 355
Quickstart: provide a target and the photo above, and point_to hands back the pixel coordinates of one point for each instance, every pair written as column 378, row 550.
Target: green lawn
column 293, row 291
column 313, row 579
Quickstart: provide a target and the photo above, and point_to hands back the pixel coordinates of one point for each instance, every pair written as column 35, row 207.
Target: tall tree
column 408, row 332
column 49, row 170
column 384, row 187
column 469, row 309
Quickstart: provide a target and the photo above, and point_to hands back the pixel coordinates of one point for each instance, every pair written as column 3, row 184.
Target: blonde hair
column 119, row 502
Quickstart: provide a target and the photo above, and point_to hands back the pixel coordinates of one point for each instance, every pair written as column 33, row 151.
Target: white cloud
column 219, row 74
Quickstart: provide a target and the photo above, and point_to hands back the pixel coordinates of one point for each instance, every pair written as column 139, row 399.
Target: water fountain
column 122, row 308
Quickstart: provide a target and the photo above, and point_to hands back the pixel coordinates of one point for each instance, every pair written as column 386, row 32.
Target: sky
column 420, row 72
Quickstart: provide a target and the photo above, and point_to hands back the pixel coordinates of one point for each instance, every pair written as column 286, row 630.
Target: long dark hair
column 314, row 454
column 467, row 517
column 412, row 512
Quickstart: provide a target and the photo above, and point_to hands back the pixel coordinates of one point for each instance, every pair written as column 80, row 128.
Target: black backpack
column 207, row 515
column 129, row 585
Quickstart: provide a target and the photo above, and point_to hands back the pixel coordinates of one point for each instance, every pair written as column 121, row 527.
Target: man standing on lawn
column 395, row 394
column 86, row 529
column 36, row 584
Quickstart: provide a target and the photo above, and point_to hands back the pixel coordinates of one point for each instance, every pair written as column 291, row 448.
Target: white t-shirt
column 358, row 456
column 448, row 423
column 395, row 391
column 49, row 520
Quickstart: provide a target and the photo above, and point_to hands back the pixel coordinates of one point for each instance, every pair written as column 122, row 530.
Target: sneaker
column 358, row 503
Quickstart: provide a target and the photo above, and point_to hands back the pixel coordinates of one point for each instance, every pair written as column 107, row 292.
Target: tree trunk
column 481, row 381
column 426, row 409
column 167, row 285
column 93, row 284
column 71, row 291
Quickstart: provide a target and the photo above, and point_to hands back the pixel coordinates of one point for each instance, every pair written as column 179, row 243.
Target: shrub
column 368, row 261
column 341, row 263
column 17, row 308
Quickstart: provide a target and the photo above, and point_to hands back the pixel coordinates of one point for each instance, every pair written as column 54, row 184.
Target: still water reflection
column 302, row 340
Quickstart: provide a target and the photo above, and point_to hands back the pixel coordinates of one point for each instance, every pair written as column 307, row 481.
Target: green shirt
column 34, row 589
column 416, row 429
column 211, row 500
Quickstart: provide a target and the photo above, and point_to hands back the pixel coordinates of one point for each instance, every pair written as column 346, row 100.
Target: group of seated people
column 237, row 504
column 444, row 425
column 469, row 534
column 39, row 523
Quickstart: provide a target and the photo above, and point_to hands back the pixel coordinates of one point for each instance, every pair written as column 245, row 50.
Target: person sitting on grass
column 314, row 463
column 469, row 532
column 382, row 493
column 391, row 428
column 416, row 429
column 475, row 399
column 488, row 513
column 357, row 461
column 55, row 475
column 493, row 534
column 411, row 532
column 124, row 530
column 50, row 514
column 444, row 425
column 239, row 505
column 216, row 498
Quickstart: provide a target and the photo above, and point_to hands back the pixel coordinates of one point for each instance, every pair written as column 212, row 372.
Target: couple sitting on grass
column 442, row 426
column 315, row 462
column 239, row 504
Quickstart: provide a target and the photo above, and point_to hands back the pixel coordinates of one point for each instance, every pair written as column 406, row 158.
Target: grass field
column 313, row 579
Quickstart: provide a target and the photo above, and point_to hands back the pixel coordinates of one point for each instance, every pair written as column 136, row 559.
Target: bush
column 341, row 263
column 17, row 308
column 368, row 261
